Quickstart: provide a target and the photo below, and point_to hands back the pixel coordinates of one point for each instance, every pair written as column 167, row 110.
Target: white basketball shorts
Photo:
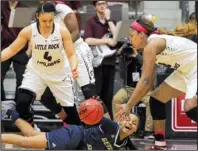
column 186, row 83
column 62, row 89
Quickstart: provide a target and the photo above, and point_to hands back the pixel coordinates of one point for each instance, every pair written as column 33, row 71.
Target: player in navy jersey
column 106, row 135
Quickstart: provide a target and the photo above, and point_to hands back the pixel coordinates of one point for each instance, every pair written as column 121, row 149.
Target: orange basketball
column 91, row 111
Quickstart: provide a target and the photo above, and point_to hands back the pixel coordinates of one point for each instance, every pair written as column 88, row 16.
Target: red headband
column 135, row 25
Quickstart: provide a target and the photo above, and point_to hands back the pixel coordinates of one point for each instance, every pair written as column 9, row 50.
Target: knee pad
column 52, row 105
column 49, row 101
column 157, row 109
column 72, row 115
column 193, row 114
column 89, row 91
column 24, row 100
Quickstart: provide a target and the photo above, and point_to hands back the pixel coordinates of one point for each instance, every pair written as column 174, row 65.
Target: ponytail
column 183, row 30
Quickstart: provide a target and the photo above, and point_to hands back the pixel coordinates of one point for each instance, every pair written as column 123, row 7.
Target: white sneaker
column 5, row 106
column 37, row 128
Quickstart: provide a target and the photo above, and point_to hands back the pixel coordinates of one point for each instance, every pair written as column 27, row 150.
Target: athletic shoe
column 154, row 147
column 148, row 135
column 5, row 106
column 36, row 127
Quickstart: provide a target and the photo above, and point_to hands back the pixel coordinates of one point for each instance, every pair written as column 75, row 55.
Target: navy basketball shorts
column 66, row 138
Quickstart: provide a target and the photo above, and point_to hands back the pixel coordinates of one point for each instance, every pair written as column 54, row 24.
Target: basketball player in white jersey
column 66, row 17
column 176, row 52
column 47, row 67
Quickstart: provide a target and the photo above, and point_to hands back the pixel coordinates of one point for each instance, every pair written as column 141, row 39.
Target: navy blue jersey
column 66, row 138
column 102, row 137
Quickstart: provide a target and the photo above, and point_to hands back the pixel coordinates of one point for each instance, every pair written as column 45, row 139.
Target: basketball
column 91, row 111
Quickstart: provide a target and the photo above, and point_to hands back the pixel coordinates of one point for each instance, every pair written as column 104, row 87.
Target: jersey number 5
column 47, row 57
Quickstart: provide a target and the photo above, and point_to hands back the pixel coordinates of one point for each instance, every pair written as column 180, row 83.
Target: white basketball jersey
column 47, row 53
column 180, row 53
column 63, row 10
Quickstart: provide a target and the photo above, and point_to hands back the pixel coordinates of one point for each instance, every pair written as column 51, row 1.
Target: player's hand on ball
column 75, row 73
column 97, row 98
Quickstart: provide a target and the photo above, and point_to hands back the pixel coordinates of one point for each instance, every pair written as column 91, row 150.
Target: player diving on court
column 105, row 135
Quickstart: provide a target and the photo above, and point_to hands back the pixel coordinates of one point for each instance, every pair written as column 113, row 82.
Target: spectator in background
column 192, row 17
column 187, row 30
column 8, row 35
column 95, row 29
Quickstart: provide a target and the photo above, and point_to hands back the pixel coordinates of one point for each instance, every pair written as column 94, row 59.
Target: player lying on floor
column 107, row 135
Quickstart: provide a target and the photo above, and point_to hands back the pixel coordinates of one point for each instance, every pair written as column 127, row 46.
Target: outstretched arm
column 17, row 45
column 145, row 83
column 37, row 142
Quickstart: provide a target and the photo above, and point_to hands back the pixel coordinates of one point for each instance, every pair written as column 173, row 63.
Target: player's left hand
column 75, row 73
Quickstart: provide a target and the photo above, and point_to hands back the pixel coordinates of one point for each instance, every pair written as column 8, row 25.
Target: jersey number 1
column 47, row 57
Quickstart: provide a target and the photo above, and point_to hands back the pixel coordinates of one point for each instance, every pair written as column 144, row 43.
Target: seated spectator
column 95, row 30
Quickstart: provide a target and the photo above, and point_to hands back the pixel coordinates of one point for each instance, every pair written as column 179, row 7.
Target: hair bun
column 150, row 17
